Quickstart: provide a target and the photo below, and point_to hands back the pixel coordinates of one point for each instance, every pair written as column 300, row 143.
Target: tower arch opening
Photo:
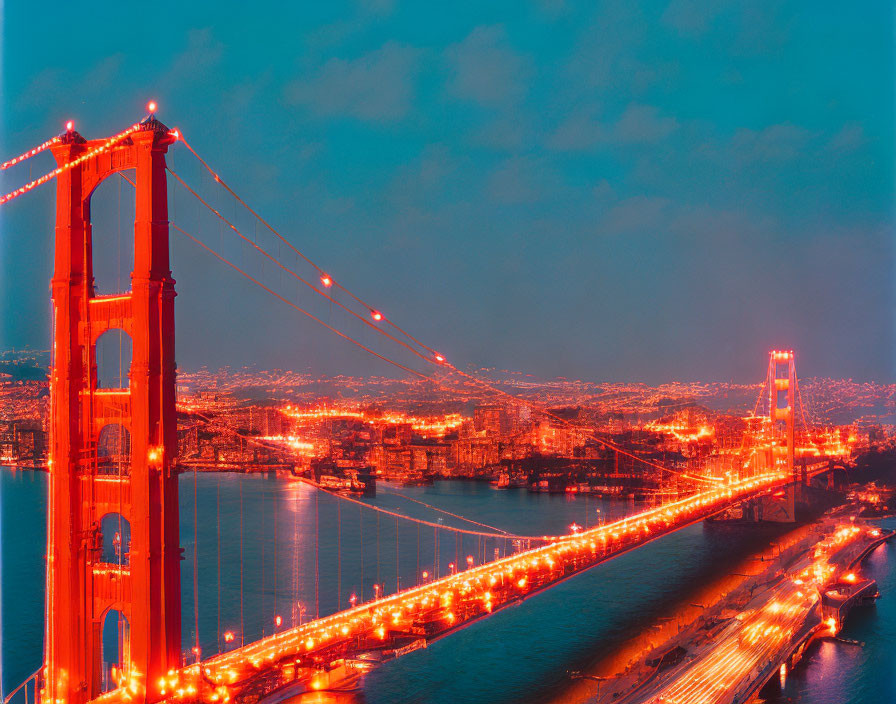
column 113, row 450
column 115, row 648
column 114, row 353
column 112, row 210
column 115, row 531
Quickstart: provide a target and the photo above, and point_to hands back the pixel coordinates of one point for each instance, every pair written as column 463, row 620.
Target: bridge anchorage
column 113, row 553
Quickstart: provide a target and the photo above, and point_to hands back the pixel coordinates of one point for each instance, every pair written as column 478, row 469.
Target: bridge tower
column 782, row 391
column 140, row 584
column 781, row 395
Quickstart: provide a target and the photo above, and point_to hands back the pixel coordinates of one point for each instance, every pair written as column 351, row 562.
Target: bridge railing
column 20, row 694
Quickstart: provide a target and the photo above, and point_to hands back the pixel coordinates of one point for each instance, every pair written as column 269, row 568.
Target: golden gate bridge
column 139, row 582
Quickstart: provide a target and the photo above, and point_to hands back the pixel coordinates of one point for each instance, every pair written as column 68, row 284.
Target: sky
column 601, row 190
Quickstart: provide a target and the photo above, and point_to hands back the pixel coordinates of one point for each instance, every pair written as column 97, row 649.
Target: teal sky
column 610, row 190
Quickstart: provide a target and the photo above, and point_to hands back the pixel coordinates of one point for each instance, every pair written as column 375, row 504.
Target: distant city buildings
column 402, row 430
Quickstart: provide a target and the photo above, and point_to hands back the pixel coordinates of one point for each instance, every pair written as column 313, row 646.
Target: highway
column 736, row 659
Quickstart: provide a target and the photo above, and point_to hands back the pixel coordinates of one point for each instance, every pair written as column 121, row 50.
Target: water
column 521, row 654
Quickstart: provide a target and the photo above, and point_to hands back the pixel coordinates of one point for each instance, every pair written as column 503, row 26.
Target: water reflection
column 269, row 547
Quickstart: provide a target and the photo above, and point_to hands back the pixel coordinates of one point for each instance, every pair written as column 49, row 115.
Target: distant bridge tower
column 125, row 586
column 781, row 394
column 782, row 391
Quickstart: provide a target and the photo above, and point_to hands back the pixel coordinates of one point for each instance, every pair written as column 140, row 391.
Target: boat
column 502, row 482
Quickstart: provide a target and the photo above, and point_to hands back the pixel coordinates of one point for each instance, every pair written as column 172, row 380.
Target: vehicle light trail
column 737, row 660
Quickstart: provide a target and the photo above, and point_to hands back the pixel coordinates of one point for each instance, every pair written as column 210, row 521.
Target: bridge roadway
column 732, row 665
column 340, row 647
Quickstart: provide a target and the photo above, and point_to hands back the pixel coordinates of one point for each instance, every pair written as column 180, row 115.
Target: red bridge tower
column 139, row 586
column 782, row 391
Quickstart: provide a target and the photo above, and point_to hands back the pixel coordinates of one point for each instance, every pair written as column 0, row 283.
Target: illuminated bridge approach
column 135, row 577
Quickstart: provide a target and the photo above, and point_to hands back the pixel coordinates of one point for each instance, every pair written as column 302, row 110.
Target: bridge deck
column 390, row 626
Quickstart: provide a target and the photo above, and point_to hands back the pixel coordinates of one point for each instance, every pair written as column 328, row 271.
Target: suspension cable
column 423, row 522
column 105, row 146
column 30, row 153
column 295, row 275
column 447, row 513
column 293, row 305
column 538, row 407
column 421, row 375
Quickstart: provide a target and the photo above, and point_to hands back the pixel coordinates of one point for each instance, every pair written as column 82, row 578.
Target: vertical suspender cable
column 276, row 564
column 361, row 549
column 339, row 555
column 378, row 550
column 317, row 554
column 296, row 591
column 263, row 600
column 242, row 623
column 397, row 571
column 196, row 561
column 218, row 533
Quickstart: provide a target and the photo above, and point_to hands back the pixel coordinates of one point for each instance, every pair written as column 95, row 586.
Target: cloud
column 377, row 86
column 486, row 70
column 643, row 123
column 851, row 136
column 691, row 17
column 781, row 142
column 202, row 53
column 518, row 180
column 379, row 7
column 61, row 86
column 637, row 124
column 636, row 214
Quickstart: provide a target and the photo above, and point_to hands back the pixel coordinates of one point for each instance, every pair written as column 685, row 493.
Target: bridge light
column 376, row 315
column 154, row 455
column 469, row 560
column 326, row 280
column 278, row 621
column 439, row 358
column 228, row 637
column 151, row 106
column 70, row 125
column 353, row 599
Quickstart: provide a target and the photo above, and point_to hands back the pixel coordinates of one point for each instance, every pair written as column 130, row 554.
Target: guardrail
column 23, row 689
